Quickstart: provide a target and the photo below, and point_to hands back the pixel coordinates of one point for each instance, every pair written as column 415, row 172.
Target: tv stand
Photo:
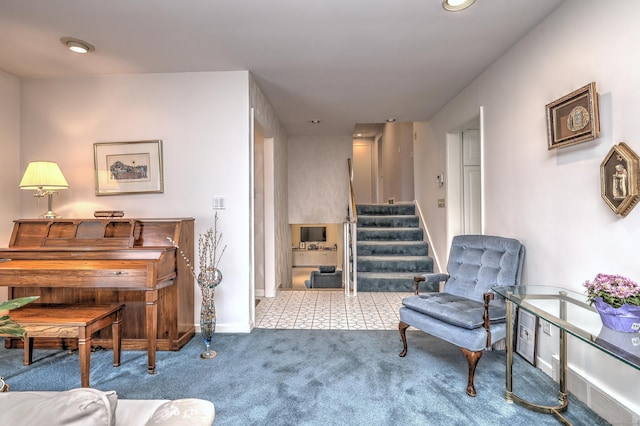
column 303, row 257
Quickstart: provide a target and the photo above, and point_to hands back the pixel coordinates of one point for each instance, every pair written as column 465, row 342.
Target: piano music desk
column 70, row 321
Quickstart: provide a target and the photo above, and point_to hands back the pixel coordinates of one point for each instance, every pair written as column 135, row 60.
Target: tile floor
column 329, row 310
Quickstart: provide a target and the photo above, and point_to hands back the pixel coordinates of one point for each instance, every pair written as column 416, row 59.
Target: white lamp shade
column 43, row 175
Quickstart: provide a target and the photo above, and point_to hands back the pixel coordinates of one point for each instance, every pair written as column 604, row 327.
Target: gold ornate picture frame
column 574, row 118
column 128, row 167
column 619, row 179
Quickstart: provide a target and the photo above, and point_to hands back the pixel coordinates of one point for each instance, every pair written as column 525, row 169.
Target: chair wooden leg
column 417, row 281
column 402, row 327
column 472, row 358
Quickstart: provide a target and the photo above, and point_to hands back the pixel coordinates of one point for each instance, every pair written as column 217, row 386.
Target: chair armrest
column 430, row 280
column 488, row 297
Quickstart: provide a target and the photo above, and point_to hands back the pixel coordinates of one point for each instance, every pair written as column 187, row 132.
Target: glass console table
column 572, row 314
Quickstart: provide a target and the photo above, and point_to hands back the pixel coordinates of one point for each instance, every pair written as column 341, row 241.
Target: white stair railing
column 350, row 240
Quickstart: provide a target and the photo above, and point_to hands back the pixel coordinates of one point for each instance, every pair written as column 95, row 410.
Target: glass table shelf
column 572, row 314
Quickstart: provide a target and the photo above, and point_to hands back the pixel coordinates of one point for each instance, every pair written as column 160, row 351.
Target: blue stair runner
column 391, row 248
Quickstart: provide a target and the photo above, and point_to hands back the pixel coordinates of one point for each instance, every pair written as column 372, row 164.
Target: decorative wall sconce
column 46, row 178
column 619, row 179
column 440, row 180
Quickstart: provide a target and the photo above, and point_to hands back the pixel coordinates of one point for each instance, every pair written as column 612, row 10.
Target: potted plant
column 7, row 326
column 617, row 300
column 11, row 328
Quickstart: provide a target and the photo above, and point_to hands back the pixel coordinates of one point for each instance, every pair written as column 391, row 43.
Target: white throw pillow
column 183, row 412
column 75, row 407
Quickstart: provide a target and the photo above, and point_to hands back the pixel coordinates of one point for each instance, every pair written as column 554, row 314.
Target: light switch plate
column 219, row 203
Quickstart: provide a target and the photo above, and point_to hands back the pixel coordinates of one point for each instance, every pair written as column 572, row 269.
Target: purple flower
column 615, row 290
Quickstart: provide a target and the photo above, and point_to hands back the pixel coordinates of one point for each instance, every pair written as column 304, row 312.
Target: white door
column 471, row 182
column 362, row 172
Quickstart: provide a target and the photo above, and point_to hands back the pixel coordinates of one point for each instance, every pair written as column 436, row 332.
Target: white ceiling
column 340, row 61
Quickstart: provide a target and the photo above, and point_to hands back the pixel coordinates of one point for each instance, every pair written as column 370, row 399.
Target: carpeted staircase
column 390, row 250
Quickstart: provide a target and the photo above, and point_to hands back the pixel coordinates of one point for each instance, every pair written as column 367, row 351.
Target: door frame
column 268, row 212
column 454, row 184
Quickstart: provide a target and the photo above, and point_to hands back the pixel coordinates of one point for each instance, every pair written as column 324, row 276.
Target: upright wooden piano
column 104, row 261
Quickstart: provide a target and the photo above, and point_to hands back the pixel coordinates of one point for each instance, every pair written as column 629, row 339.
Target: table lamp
column 45, row 177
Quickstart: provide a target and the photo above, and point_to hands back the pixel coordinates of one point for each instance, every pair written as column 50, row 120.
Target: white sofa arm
column 88, row 406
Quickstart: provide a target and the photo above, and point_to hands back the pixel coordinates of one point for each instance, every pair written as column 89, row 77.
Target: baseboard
column 259, row 292
column 592, row 395
column 229, row 328
column 547, row 368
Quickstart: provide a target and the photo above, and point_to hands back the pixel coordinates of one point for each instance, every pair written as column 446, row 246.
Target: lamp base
column 50, row 215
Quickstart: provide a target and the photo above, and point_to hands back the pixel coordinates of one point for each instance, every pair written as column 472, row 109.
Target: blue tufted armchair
column 466, row 313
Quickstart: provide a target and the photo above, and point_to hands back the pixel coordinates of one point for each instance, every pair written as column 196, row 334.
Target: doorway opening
column 263, row 213
column 465, row 213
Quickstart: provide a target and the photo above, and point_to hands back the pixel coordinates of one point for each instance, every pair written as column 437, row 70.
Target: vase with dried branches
column 210, row 251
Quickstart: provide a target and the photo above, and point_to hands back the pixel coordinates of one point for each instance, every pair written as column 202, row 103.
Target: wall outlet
column 546, row 328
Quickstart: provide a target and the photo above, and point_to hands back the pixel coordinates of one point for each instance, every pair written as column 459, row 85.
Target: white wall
column 550, row 200
column 259, row 211
column 270, row 124
column 203, row 120
column 10, row 172
column 397, row 162
column 429, row 164
column 318, row 178
column 364, row 173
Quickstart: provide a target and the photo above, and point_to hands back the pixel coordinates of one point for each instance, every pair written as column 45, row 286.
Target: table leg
column 564, row 396
column 28, row 350
column 511, row 396
column 84, row 350
column 116, row 331
column 509, row 344
column 152, row 328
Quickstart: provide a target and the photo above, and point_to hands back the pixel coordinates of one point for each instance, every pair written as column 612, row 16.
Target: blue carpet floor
column 313, row 377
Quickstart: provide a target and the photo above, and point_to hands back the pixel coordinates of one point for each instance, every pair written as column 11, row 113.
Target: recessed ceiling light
column 315, row 121
column 456, row 5
column 76, row 45
column 391, row 120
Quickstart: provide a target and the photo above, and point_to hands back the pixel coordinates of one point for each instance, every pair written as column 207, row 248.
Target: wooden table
column 70, row 321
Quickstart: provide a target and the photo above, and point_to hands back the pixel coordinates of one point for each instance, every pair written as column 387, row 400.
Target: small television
column 313, row 234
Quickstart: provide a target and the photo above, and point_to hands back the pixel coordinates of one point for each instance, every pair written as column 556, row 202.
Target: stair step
column 390, row 234
column 381, row 248
column 390, row 281
column 391, row 221
column 391, row 249
column 394, row 263
column 385, row 209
